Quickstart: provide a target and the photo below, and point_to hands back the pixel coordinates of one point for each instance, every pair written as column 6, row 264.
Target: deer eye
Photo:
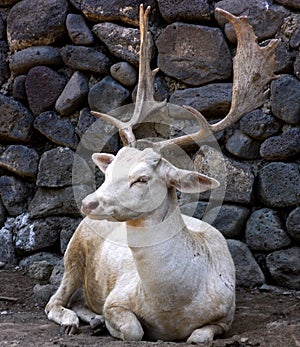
column 142, row 180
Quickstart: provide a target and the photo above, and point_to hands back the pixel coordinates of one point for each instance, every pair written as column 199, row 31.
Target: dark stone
column 284, row 267
column 19, row 92
column 279, row 184
column 73, row 95
column 41, row 256
column 47, row 27
column 297, row 66
column 79, row 32
column 258, row 125
column 107, row 95
column 2, row 28
column 40, row 270
column 283, row 146
column 20, row 160
column 22, row 61
column 243, row 146
column 43, row 87
column 295, row 39
column 85, row 58
column 14, row 195
column 293, row 224
column 285, row 95
column 57, row 274
column 284, row 58
column 9, row 2
column 56, row 129
column 7, row 249
column 294, row 4
column 4, row 70
column 181, row 56
column 122, row 42
column 186, row 10
column 15, row 121
column 248, row 273
column 265, row 232
column 42, row 293
column 212, row 100
column 65, row 237
column 124, row 73
column 2, row 214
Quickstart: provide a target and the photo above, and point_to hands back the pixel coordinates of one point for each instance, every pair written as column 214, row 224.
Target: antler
column 253, row 68
column 145, row 89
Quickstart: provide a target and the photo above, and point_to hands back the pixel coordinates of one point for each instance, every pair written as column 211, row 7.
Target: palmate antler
column 253, row 70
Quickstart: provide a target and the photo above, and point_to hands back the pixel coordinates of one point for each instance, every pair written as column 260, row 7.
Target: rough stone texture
column 211, row 100
column 40, row 270
column 56, row 129
column 65, row 236
column 266, row 20
column 293, row 224
column 124, row 73
column 55, row 169
column 79, row 32
column 295, row 39
column 4, row 71
column 122, row 42
column 42, row 293
column 248, row 273
column 7, row 249
column 282, row 147
column 161, row 91
column 73, row 95
column 258, row 125
column 185, row 10
column 297, row 66
column 57, row 273
column 22, row 61
column 43, row 86
column 265, row 232
column 85, row 58
column 107, row 95
column 40, row 256
column 181, row 56
column 243, row 146
column 284, row 266
column 2, row 214
column 279, row 184
column 230, row 220
column 15, row 121
column 285, row 95
column 289, row 3
column 47, row 27
column 19, row 92
column 284, row 58
column 20, row 160
column 14, row 194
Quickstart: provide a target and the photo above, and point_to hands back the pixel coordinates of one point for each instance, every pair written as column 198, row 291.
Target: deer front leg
column 205, row 334
column 123, row 324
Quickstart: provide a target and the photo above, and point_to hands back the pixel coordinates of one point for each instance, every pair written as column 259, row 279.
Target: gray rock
column 41, row 256
column 65, row 237
column 211, row 100
column 279, row 184
column 248, row 273
column 124, row 73
column 284, row 267
column 40, row 270
column 289, row 3
column 297, row 66
column 295, row 39
column 265, row 232
column 283, row 146
column 47, row 27
column 258, row 125
column 107, row 95
column 265, row 20
column 196, row 209
column 96, row 135
column 73, row 95
column 42, row 293
column 243, row 146
column 7, row 249
column 14, row 195
column 79, row 32
column 59, row 201
column 85, row 58
column 4, row 70
column 284, row 58
column 230, row 220
column 56, row 129
column 2, row 28
column 55, row 169
column 186, row 10
column 57, row 273
column 19, row 92
column 293, row 224
column 22, row 61
column 2, row 214
column 181, row 56
column 15, row 121
column 285, row 95
column 161, row 91
column 121, row 41
column 43, row 86
column 20, row 160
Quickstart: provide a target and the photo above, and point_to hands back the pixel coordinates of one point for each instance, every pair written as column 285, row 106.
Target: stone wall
column 59, row 59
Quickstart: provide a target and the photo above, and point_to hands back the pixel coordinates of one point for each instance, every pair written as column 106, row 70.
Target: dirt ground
column 265, row 319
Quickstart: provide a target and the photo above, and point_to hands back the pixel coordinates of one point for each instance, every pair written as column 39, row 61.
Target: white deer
column 174, row 278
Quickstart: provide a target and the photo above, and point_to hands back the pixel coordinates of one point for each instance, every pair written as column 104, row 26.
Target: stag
column 174, row 278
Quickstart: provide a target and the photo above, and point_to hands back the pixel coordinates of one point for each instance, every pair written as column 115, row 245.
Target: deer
column 172, row 276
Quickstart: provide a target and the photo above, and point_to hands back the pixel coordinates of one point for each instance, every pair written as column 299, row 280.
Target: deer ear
column 102, row 160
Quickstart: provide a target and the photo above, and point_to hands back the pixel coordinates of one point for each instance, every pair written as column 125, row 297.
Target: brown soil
column 265, row 319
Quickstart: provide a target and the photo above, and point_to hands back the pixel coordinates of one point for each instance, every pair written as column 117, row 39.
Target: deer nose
column 87, row 208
